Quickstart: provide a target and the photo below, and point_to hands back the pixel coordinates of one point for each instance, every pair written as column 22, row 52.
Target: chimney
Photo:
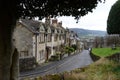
column 54, row 21
column 47, row 20
column 60, row 23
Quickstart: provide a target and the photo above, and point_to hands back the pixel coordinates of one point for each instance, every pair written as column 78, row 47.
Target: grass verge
column 104, row 52
column 103, row 69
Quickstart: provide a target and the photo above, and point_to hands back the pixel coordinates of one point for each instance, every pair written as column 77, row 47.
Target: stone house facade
column 25, row 37
column 42, row 40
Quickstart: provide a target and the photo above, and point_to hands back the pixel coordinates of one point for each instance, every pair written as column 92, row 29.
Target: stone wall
column 115, row 57
column 23, row 39
column 27, row 63
column 94, row 57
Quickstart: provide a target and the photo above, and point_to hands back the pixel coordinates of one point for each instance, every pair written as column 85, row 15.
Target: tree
column 113, row 22
column 12, row 10
column 97, row 41
column 112, row 40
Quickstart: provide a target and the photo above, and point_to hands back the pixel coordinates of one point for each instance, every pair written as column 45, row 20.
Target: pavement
column 78, row 60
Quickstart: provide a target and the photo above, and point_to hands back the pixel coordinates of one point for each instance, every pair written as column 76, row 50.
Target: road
column 75, row 61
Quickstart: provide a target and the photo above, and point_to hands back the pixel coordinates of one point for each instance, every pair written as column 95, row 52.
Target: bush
column 38, row 78
column 52, row 77
column 74, row 47
column 54, row 58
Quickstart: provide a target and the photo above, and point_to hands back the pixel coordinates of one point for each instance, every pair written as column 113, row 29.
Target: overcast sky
column 93, row 21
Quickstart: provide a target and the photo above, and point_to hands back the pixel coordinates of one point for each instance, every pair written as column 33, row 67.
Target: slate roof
column 57, row 27
column 32, row 25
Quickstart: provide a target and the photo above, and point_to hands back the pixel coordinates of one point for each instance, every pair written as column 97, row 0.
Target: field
column 104, row 52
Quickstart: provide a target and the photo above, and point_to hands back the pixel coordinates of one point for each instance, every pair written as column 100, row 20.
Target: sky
column 93, row 21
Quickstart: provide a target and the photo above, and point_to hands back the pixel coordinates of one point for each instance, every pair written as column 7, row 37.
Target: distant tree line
column 107, row 41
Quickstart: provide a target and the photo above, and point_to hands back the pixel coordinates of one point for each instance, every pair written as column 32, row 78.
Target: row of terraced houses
column 42, row 40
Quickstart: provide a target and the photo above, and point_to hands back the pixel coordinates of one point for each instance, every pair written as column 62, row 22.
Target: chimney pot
column 54, row 21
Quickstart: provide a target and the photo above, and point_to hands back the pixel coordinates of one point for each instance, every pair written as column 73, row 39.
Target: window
column 55, row 37
column 24, row 54
column 42, row 38
column 49, row 37
column 67, row 39
column 60, row 37
column 42, row 28
column 41, row 53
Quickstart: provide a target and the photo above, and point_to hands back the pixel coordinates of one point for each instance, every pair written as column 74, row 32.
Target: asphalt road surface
column 67, row 64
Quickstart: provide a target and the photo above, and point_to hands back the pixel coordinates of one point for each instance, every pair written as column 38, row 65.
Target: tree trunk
column 5, row 53
column 8, row 55
column 14, row 68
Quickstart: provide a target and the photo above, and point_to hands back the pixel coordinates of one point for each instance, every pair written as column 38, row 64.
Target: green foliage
column 104, row 52
column 66, row 48
column 113, row 22
column 116, row 70
column 53, row 77
column 54, row 58
column 69, row 49
column 74, row 47
column 43, row 8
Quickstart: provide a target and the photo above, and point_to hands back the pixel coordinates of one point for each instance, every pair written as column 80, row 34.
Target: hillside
column 87, row 33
